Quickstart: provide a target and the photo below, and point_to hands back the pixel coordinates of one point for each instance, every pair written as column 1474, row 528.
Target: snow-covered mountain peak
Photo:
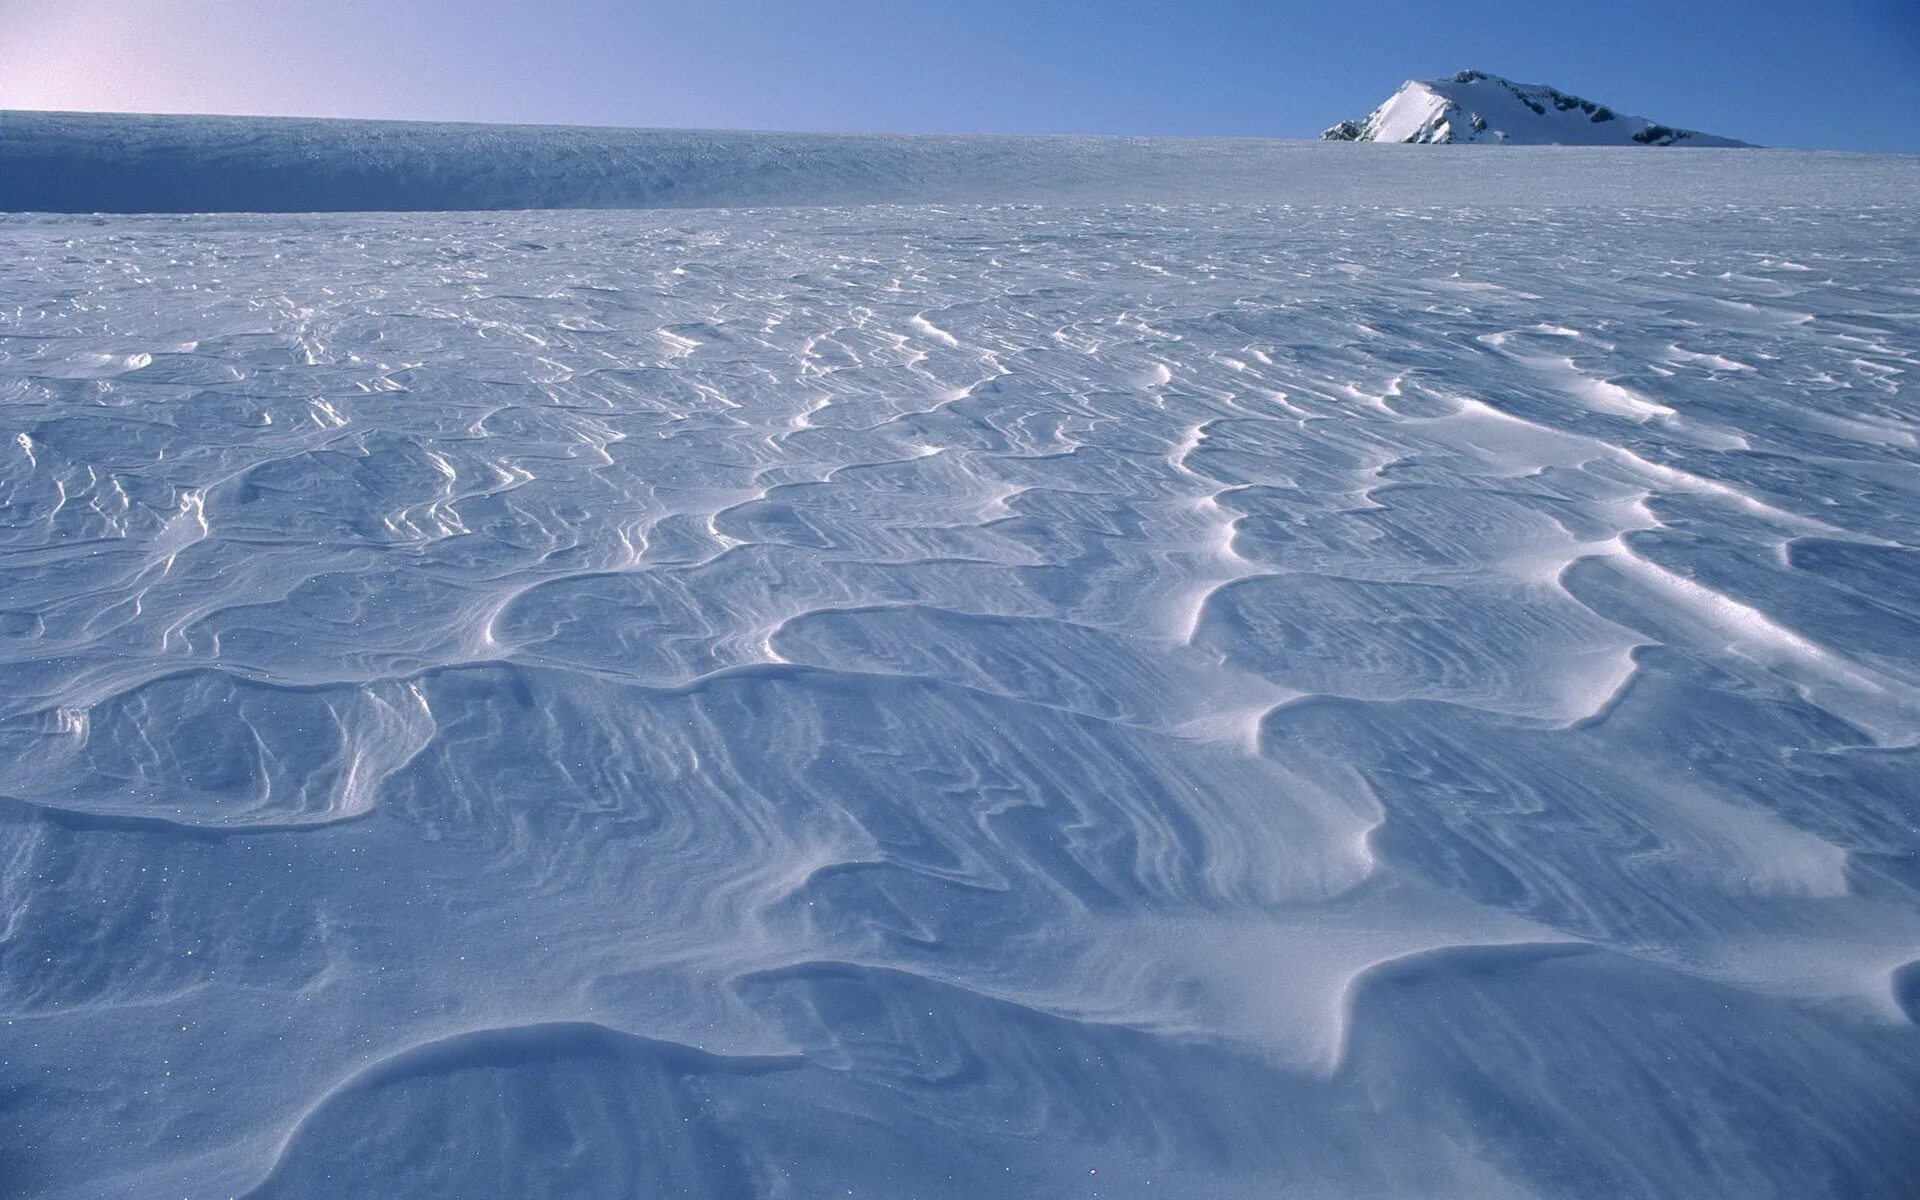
column 1474, row 106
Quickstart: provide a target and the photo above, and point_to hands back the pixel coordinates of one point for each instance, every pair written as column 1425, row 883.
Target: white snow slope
column 1068, row 699
column 1474, row 106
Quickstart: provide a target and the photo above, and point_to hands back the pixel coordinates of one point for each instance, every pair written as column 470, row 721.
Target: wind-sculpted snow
column 957, row 702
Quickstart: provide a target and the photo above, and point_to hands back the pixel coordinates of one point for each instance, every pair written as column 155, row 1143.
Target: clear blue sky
column 1839, row 73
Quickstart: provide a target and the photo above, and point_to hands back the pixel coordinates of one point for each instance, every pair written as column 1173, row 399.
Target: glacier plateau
column 1413, row 696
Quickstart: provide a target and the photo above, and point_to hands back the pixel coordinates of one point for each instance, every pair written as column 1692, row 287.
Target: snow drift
column 1409, row 699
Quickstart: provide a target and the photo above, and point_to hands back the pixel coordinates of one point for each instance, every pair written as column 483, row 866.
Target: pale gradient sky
column 1843, row 74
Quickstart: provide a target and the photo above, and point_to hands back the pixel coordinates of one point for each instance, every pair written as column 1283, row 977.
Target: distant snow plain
column 1240, row 670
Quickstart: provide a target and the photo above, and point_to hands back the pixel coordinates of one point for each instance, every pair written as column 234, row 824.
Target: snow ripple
column 961, row 701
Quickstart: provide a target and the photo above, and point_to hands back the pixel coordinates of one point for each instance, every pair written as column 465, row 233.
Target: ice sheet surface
column 131, row 163
column 943, row 701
